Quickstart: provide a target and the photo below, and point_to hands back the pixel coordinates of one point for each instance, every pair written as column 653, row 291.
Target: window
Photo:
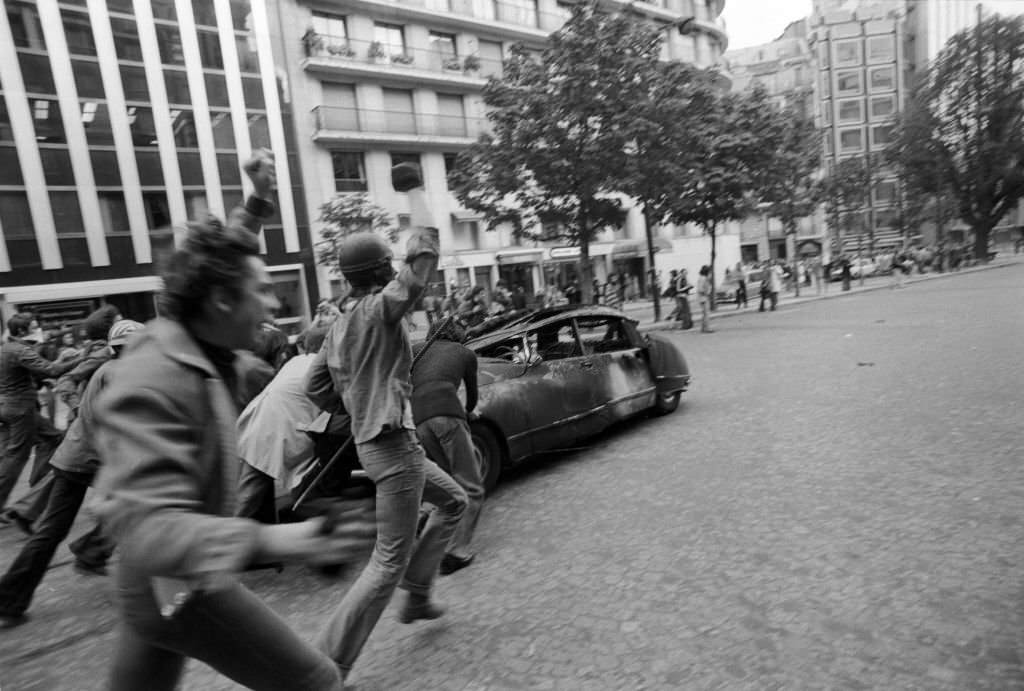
column 848, row 83
column 10, row 170
column 133, row 80
column 398, row 113
column 510, row 349
column 881, row 135
column 886, row 218
column 57, row 167
column 450, row 163
column 339, row 111
column 391, row 38
column 227, row 165
column 88, row 82
column 451, row 115
column 240, row 14
column 151, row 173
column 248, row 60
column 851, row 140
column 6, row 132
column 556, row 342
column 491, row 57
column 881, row 49
column 882, row 107
column 126, row 39
column 164, row 9
column 67, row 215
column 114, row 213
column 209, row 50
column 216, row 89
column 35, row 71
column 851, row 111
column 46, row 118
column 602, row 334
column 443, row 52
column 105, row 170
column 123, row 6
column 15, row 216
column 848, row 53
column 523, row 12
column 184, row 128
column 204, row 12
column 397, row 157
column 140, row 121
column 223, row 130
column 190, row 166
column 78, row 33
column 883, row 78
column 259, row 133
column 195, row 205
column 158, row 214
column 349, row 171
column 252, row 91
column 169, row 40
column 25, row 25
column 885, row 192
column 332, row 25
column 177, row 87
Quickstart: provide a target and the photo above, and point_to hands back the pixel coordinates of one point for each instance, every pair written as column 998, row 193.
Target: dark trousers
column 30, row 506
column 741, row 294
column 20, row 430
column 19, row 584
column 256, row 498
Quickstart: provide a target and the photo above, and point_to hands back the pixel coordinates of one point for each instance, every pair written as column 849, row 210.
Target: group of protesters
column 186, row 486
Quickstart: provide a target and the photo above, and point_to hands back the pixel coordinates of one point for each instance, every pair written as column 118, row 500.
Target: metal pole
column 650, row 258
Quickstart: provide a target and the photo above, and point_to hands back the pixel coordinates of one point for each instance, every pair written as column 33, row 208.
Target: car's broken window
column 557, row 341
column 510, row 349
column 602, row 334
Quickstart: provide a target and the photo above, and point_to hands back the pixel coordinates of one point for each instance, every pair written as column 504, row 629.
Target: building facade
column 787, row 70
column 862, row 83
column 120, row 120
column 377, row 82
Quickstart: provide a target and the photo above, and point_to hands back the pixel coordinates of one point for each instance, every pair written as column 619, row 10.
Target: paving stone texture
column 838, row 504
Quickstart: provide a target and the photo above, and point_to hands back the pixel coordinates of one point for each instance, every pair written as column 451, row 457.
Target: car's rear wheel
column 488, row 453
column 667, row 402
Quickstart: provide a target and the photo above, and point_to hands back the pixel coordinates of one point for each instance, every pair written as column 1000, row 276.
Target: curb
column 665, row 325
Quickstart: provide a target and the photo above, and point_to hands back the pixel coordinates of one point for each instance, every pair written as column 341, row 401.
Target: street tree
column 729, row 167
column 792, row 190
column 965, row 122
column 345, row 214
column 845, row 191
column 561, row 125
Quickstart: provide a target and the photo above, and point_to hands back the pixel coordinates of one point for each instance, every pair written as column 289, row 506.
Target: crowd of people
column 193, row 426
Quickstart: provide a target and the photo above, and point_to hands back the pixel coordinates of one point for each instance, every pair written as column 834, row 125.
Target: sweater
column 436, row 380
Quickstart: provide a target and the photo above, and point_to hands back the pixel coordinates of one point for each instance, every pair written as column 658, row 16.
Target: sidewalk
column 643, row 311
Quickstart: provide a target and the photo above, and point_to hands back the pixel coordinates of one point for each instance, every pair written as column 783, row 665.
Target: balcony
column 332, row 55
column 358, row 126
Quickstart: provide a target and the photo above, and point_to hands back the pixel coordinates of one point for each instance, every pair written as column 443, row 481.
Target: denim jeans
column 448, row 443
column 404, row 477
column 21, row 428
column 230, row 630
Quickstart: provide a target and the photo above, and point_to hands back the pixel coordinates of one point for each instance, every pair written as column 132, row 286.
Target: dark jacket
column 436, row 380
column 20, row 363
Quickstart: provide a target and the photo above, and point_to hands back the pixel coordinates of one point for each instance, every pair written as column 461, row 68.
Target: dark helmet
column 362, row 255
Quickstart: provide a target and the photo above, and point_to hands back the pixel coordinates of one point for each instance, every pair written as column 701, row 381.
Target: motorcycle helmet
column 362, row 257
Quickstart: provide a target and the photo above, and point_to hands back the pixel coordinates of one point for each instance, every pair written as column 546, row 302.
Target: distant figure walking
column 704, row 297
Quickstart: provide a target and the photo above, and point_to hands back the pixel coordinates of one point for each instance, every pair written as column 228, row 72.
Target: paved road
column 837, row 505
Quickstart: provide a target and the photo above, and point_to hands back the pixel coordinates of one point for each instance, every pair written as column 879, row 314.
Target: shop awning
column 462, row 215
column 525, row 256
column 624, row 249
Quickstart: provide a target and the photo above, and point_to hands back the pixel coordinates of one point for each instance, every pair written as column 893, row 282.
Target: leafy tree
column 964, row 128
column 345, row 214
column 561, row 128
column 792, row 191
column 731, row 161
column 844, row 192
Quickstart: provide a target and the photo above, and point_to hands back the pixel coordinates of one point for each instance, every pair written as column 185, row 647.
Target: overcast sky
column 752, row 22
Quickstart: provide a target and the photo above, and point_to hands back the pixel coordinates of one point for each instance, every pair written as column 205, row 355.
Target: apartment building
column 862, row 84
column 120, row 119
column 786, row 68
column 377, row 82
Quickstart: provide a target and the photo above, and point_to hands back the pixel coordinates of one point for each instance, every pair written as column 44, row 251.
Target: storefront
column 520, row 268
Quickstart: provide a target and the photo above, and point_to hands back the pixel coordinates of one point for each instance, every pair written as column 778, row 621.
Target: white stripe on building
column 268, row 73
column 121, row 129
column 200, row 107
column 28, row 152
column 161, row 113
column 74, row 131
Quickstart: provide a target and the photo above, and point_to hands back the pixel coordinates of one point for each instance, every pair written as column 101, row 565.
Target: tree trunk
column 653, row 275
column 714, row 249
column 586, row 274
column 981, row 235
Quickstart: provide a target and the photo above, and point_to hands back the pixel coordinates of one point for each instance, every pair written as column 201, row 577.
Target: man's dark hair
column 211, row 256
column 270, row 347
column 18, row 324
column 97, row 325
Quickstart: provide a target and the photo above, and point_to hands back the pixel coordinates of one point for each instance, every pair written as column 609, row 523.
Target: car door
column 559, row 378
column 621, row 384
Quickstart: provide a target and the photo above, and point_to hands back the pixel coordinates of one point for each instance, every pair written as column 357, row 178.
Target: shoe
column 419, row 608
column 451, row 563
column 10, row 621
column 87, row 569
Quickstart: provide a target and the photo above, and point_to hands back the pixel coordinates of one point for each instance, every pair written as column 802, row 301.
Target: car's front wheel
column 488, row 454
column 667, row 402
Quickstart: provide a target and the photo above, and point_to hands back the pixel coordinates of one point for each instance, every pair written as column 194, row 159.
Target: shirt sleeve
column 319, row 384
column 399, row 296
column 37, row 364
column 154, row 481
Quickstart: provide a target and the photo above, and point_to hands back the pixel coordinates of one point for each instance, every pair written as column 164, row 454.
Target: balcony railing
column 520, row 13
column 359, row 120
column 375, row 53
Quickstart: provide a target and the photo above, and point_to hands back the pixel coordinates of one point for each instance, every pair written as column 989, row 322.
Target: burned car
column 553, row 378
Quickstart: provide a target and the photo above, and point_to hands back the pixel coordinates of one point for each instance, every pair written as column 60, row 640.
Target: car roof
column 542, row 317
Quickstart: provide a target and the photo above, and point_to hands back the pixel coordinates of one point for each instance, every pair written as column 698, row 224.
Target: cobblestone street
column 837, row 504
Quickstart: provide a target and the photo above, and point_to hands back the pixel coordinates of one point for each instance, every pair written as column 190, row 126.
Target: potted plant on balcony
column 341, row 50
column 376, row 53
column 452, row 63
column 471, row 64
column 313, row 42
column 402, row 59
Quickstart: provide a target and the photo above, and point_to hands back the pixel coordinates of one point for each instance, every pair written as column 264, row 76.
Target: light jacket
column 165, row 432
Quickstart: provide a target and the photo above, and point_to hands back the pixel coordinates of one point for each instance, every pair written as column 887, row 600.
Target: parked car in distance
column 555, row 377
column 864, row 266
column 753, row 277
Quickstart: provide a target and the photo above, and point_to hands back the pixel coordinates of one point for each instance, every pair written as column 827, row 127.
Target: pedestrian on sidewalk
column 741, row 285
column 165, row 431
column 368, row 357
column 443, row 428
column 683, row 290
column 74, row 467
column 704, row 297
